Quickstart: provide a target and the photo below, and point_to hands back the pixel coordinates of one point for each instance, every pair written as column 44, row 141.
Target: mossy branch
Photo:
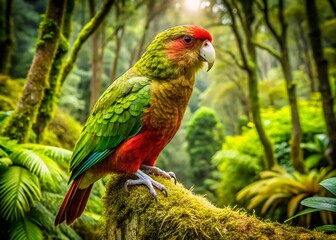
column 84, row 34
column 183, row 215
column 47, row 43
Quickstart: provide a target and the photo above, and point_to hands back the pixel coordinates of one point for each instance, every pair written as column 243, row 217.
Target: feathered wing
column 116, row 117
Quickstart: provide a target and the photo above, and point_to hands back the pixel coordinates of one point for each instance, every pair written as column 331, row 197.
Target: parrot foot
column 158, row 172
column 144, row 179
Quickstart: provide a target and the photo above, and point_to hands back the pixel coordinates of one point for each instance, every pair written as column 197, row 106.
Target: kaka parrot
column 137, row 116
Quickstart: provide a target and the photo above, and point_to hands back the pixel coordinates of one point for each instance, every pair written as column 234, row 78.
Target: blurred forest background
column 259, row 132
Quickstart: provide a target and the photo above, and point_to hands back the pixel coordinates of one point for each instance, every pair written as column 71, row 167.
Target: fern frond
column 60, row 155
column 31, row 161
column 19, row 189
column 25, row 229
column 46, row 217
column 5, row 162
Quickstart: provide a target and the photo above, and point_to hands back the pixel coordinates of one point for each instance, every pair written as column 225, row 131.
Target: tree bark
column 59, row 70
column 250, row 64
column 283, row 57
column 183, row 215
column 306, row 58
column 154, row 9
column 333, row 6
column 37, row 80
column 143, row 38
column 46, row 110
column 119, row 36
column 96, row 79
column 323, row 77
column 6, row 35
column 296, row 135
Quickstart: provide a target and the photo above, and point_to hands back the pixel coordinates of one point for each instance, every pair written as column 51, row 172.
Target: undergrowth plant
column 278, row 188
column 30, row 177
column 321, row 204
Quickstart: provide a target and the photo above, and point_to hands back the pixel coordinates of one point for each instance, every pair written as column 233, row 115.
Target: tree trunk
column 323, row 77
column 46, row 110
column 283, row 57
column 132, row 59
column 333, row 6
column 143, row 38
column 6, row 35
column 83, row 35
column 119, row 37
column 96, row 83
column 252, row 71
column 248, row 57
column 37, row 80
column 183, row 215
column 306, row 58
column 154, row 9
column 59, row 70
column 296, row 135
column 296, row 151
column 269, row 159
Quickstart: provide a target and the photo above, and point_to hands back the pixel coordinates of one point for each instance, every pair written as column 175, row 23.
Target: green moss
column 183, row 215
column 9, row 89
column 6, row 103
column 48, row 27
column 63, row 131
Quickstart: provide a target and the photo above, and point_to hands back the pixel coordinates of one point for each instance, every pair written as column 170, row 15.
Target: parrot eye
column 187, row 39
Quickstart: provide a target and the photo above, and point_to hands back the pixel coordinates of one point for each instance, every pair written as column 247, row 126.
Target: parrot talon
column 148, row 181
column 158, row 172
column 173, row 176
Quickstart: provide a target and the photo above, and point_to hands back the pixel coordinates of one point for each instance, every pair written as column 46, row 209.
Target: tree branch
column 210, row 25
column 240, row 16
column 333, row 6
column 234, row 58
column 270, row 50
column 234, row 28
column 183, row 215
column 83, row 35
column 269, row 24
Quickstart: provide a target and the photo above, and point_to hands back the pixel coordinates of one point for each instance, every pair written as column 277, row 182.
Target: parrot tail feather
column 74, row 203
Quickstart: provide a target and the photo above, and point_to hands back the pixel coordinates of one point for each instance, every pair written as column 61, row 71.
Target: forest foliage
column 259, row 132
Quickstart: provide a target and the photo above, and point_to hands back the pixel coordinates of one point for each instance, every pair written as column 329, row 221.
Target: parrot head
column 178, row 50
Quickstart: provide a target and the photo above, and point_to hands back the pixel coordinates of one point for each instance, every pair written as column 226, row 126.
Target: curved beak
column 208, row 54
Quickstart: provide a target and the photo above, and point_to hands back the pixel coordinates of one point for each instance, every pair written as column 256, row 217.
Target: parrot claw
column 148, row 181
column 158, row 172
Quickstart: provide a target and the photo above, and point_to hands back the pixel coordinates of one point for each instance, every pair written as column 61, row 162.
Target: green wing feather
column 116, row 117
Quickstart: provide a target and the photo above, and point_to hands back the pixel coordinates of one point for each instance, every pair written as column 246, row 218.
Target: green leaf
column 31, row 161
column 306, row 211
column 326, row 228
column 45, row 217
column 5, row 163
column 58, row 154
column 312, row 161
column 25, row 230
column 330, row 185
column 19, row 189
column 321, row 203
column 3, row 153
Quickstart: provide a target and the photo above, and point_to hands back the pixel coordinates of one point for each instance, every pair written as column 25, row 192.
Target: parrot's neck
column 156, row 65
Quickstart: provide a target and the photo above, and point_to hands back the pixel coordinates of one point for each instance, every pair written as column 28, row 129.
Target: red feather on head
column 200, row 33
